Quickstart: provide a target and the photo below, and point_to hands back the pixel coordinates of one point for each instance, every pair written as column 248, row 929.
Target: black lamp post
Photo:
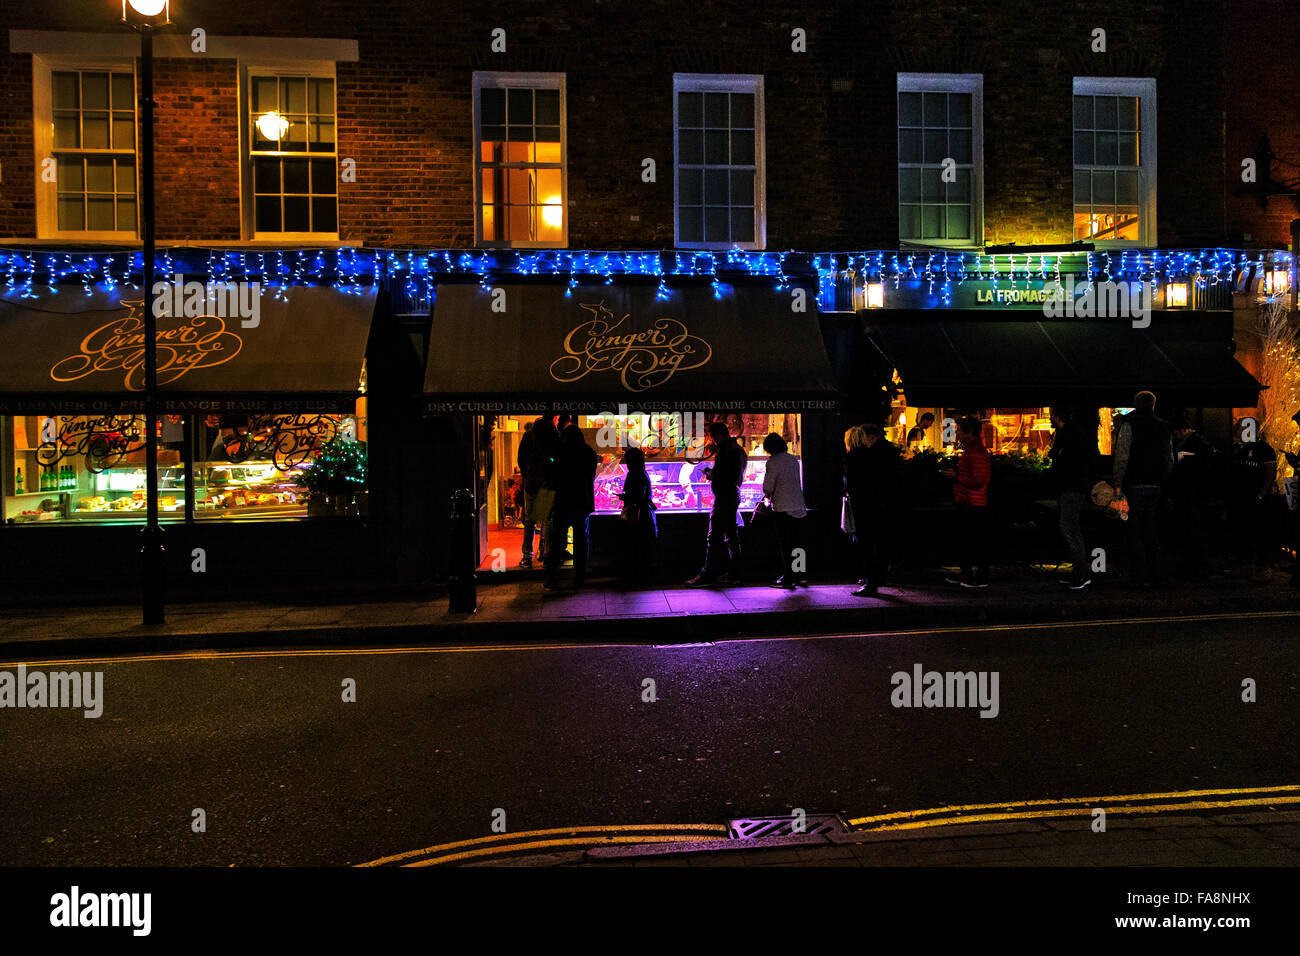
column 145, row 17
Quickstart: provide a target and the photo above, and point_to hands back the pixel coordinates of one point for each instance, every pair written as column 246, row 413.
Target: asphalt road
column 437, row 740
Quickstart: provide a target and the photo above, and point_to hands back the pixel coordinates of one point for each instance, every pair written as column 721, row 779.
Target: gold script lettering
column 643, row 359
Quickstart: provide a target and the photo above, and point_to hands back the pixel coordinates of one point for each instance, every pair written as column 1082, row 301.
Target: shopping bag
column 847, row 522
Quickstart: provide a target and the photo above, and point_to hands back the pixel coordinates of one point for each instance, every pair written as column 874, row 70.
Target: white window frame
column 492, row 79
column 1145, row 89
column 726, row 83
column 972, row 83
column 47, row 199
column 320, row 69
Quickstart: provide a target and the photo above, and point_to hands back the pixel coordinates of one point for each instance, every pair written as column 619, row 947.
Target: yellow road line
column 544, row 844
column 1089, row 801
column 1142, row 809
column 579, row 645
column 682, row 828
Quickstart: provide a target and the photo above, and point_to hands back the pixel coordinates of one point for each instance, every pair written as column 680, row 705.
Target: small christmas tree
column 338, row 469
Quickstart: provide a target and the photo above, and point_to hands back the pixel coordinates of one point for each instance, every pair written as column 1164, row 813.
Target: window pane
column 715, row 110
column 1082, row 188
column 266, row 175
column 99, row 174
column 932, row 186
column 716, row 187
column 959, row 188
column 295, row 141
column 547, row 152
column 690, row 223
column 548, row 107
column 1128, row 149
column 295, row 173
column 70, row 175
column 94, row 91
column 690, row 146
column 690, row 187
column 1105, row 107
column 548, row 187
column 959, row 145
column 123, row 91
column 690, row 109
column 717, row 224
column 126, row 215
column 520, row 219
column 489, row 224
column 324, row 214
column 297, row 214
column 909, row 109
column 909, row 145
column 488, row 185
column 293, row 91
column 67, row 130
column 909, row 222
column 99, row 214
column 742, row 148
column 123, row 131
column 548, row 134
column 1103, row 188
column 519, row 107
column 265, row 94
column 1126, row 187
column 71, row 213
column 1127, row 113
column 1083, row 112
column 322, row 177
column 66, row 94
column 94, row 131
column 493, row 134
column 715, row 147
column 959, row 110
column 492, row 109
column 742, row 224
column 322, row 136
column 519, row 134
column 936, row 109
column 958, row 222
column 519, row 152
column 1107, row 149
column 936, row 145
column 909, row 185
column 931, row 222
column 742, row 187
column 1083, row 149
column 126, row 176
column 742, row 110
column 519, row 182
column 322, row 97
column 268, row 213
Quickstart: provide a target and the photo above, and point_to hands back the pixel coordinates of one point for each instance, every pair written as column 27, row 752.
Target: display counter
column 677, row 486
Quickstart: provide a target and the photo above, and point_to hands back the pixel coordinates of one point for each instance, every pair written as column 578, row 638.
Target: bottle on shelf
column 18, row 484
column 44, row 479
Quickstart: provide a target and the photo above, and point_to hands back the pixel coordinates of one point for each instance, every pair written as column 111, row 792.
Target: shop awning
column 961, row 358
column 70, row 352
column 542, row 347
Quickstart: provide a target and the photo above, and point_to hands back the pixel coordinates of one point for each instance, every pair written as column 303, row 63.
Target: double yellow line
column 501, row 844
column 1128, row 803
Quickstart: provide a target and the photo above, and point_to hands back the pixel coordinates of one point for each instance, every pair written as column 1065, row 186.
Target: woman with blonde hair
column 855, row 437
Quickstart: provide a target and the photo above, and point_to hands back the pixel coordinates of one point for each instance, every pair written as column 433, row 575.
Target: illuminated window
column 293, row 153
column 85, row 122
column 1114, row 160
column 940, row 158
column 519, row 159
column 718, row 148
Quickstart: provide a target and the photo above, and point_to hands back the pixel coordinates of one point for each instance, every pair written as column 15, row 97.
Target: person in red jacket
column 970, row 490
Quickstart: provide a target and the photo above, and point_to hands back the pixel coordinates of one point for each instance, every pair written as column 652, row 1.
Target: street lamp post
column 145, row 17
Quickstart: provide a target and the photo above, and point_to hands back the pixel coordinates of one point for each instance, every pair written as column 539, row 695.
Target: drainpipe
column 1295, row 251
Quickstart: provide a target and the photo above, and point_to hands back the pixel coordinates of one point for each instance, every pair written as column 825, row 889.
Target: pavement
column 514, row 608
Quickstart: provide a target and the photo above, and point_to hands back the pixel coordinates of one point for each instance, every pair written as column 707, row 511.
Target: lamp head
column 146, row 13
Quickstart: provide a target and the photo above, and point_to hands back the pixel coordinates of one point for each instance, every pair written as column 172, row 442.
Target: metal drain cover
column 754, row 828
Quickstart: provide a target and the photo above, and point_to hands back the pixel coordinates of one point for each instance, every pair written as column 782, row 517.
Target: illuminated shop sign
column 642, row 358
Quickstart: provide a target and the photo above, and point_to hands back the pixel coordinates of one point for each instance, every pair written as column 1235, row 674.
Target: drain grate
column 754, row 828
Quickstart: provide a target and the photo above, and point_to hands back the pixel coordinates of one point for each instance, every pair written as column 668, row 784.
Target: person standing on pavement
column 970, row 491
column 1188, row 489
column 1143, row 458
column 575, row 500
column 640, row 529
column 1252, row 471
column 784, row 491
column 872, row 473
column 1073, row 472
column 722, row 550
column 536, row 459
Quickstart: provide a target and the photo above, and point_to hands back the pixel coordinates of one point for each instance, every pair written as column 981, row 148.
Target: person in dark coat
column 536, row 459
column 722, row 551
column 640, row 530
column 1252, row 471
column 575, row 500
column 1144, row 456
column 1073, row 472
column 872, row 479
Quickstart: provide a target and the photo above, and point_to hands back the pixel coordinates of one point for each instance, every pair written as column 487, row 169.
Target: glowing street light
column 272, row 125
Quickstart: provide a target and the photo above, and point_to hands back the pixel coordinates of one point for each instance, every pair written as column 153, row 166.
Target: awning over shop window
column 71, row 352
column 524, row 348
column 958, row 358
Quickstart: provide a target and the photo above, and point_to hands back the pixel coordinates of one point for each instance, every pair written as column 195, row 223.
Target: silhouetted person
column 575, row 500
column 722, row 550
column 538, row 450
column 1143, row 458
column 1073, row 472
column 1252, row 470
column 970, row 490
column 872, row 478
column 640, row 529
column 784, row 491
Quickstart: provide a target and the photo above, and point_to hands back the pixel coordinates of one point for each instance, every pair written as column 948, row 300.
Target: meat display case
column 677, row 486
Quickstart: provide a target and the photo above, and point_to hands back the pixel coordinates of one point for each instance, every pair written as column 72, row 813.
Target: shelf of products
column 677, row 486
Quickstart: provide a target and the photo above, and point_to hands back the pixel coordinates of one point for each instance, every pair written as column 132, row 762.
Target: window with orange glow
column 1114, row 171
